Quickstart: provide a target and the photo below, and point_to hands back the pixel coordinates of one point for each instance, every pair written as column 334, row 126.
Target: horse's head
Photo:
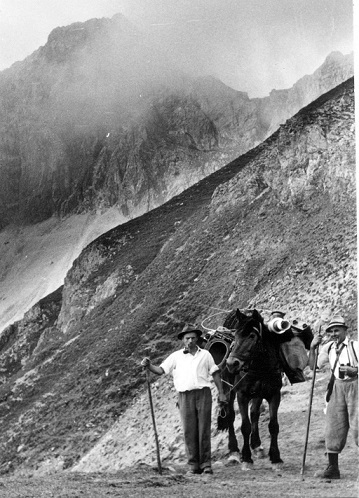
column 248, row 333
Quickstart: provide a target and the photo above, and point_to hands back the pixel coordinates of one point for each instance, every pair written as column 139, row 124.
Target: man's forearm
column 218, row 381
column 156, row 370
column 311, row 359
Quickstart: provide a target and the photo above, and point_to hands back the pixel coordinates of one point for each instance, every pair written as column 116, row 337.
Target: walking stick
column 154, row 422
column 310, row 406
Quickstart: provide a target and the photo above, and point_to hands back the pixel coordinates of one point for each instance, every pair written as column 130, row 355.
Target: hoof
column 233, row 459
column 259, row 452
column 277, row 466
column 247, row 466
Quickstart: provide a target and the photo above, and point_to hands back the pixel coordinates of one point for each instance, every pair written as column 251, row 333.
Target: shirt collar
column 344, row 343
column 198, row 350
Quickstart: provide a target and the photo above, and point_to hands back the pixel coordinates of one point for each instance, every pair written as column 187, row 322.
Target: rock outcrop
column 20, row 341
column 275, row 228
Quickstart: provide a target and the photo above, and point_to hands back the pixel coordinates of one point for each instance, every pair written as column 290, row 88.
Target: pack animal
column 252, row 373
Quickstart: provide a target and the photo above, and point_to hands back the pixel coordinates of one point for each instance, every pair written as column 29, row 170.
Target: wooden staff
column 153, row 421
column 310, row 406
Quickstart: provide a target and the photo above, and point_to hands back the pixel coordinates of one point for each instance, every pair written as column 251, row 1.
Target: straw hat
column 336, row 321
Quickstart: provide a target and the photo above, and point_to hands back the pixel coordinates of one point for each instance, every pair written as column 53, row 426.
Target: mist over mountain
column 96, row 118
column 97, row 127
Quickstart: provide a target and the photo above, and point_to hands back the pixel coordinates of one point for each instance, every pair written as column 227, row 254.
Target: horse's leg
column 234, row 457
column 256, row 443
column 243, row 403
column 273, row 426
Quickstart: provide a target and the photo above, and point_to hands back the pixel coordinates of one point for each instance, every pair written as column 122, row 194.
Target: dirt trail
column 143, row 479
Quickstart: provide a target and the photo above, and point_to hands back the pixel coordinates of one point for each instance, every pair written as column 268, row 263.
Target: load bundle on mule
column 292, row 350
column 253, row 355
column 296, row 336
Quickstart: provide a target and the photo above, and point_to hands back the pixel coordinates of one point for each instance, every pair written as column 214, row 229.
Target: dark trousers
column 196, row 409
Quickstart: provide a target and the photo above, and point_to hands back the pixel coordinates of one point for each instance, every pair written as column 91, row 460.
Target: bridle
column 233, row 386
column 259, row 332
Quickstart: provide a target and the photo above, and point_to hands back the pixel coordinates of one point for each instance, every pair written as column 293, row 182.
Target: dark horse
column 253, row 373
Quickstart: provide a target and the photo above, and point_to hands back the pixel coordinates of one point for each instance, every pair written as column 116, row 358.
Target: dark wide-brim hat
column 197, row 331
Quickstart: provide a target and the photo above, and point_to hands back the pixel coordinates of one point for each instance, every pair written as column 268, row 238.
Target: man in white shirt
column 342, row 410
column 193, row 369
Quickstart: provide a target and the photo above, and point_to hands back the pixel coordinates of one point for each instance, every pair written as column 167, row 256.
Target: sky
column 251, row 45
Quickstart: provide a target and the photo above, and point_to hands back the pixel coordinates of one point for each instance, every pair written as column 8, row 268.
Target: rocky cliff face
column 282, row 104
column 93, row 119
column 97, row 128
column 273, row 229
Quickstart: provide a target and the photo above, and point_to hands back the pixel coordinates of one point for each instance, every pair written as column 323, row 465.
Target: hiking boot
column 331, row 472
column 207, row 470
column 193, row 472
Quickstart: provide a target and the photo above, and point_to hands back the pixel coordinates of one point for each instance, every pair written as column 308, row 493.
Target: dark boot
column 332, row 471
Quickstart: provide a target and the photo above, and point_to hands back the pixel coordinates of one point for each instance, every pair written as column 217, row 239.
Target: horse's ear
column 240, row 315
column 257, row 316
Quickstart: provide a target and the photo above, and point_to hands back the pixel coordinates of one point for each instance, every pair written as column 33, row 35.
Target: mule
column 252, row 373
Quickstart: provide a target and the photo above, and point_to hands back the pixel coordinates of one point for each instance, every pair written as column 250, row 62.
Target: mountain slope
column 274, row 228
column 96, row 130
